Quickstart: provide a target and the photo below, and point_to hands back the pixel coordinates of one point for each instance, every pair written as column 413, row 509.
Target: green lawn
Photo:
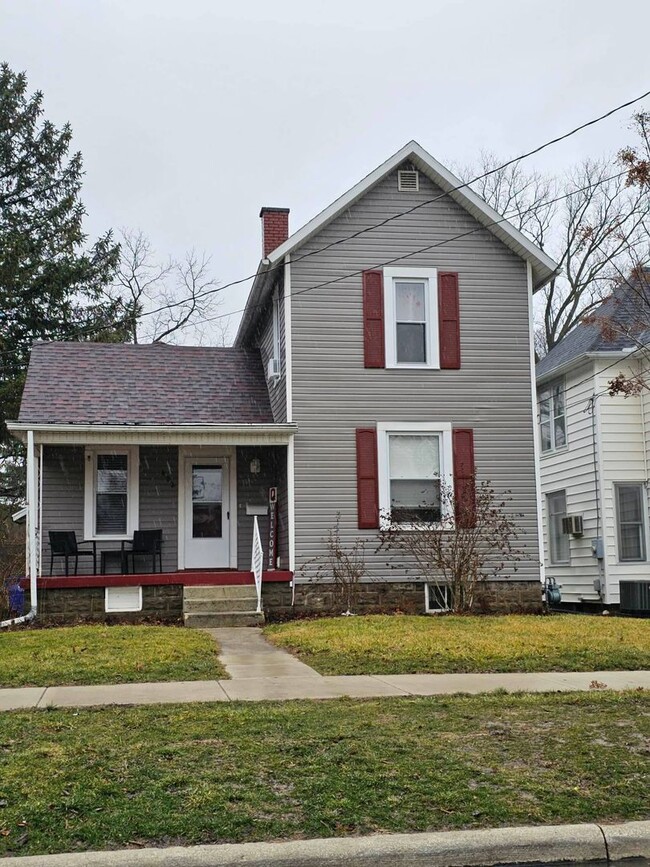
column 106, row 654
column 114, row 777
column 404, row 644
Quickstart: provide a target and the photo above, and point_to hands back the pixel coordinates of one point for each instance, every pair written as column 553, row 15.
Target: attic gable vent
column 408, row 180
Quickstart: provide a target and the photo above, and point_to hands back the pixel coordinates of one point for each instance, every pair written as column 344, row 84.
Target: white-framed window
column 111, row 492
column 437, row 598
column 414, row 460
column 552, row 416
column 559, row 547
column 411, row 317
column 122, row 599
column 630, row 522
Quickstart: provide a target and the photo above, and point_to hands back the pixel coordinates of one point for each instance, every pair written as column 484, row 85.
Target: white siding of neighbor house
column 333, row 394
column 623, row 459
column 571, row 469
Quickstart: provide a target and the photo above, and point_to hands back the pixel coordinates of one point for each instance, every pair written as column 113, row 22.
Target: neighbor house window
column 630, row 519
column 411, row 301
column 552, row 416
column 111, row 493
column 559, row 541
column 414, row 463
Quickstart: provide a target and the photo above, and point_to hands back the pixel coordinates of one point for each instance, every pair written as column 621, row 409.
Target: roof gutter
column 257, row 293
column 79, row 432
column 612, row 354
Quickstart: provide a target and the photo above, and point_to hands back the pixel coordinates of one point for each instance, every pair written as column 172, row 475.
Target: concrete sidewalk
column 261, row 672
column 593, row 844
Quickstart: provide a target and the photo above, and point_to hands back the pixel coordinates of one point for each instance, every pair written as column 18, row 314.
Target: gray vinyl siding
column 333, row 394
column 254, row 490
column 63, row 502
column 159, row 499
column 264, row 341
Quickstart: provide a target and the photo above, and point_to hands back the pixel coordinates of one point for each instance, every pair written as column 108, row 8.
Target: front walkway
column 261, row 672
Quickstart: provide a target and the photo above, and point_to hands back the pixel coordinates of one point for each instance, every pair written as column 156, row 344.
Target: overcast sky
column 192, row 114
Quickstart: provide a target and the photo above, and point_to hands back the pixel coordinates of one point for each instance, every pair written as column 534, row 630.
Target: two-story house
column 386, row 348
column 595, row 449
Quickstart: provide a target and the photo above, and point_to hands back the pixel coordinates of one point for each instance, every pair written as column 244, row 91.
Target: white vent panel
column 408, row 180
column 118, row 599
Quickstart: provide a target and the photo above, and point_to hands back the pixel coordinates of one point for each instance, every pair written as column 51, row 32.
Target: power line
column 129, row 319
column 420, row 250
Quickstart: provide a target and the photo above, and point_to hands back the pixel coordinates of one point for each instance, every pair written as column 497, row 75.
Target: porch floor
column 184, row 577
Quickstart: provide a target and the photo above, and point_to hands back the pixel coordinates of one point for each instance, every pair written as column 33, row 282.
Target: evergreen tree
column 51, row 284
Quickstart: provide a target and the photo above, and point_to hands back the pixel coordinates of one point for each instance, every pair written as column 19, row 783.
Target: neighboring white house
column 594, row 452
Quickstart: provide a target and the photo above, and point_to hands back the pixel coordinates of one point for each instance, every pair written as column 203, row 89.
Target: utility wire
column 538, row 149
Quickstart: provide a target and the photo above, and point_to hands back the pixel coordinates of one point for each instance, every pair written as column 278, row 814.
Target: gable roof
column 625, row 308
column 158, row 384
column 543, row 267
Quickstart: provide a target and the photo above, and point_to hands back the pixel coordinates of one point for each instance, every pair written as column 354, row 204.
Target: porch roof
column 144, row 384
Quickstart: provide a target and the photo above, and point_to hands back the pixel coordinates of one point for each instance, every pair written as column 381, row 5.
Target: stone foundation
column 160, row 602
column 164, row 602
column 406, row 597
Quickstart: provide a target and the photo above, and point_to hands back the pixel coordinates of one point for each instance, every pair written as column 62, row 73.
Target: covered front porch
column 194, row 496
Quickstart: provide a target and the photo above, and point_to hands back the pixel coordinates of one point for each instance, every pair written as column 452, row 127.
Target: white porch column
column 32, row 516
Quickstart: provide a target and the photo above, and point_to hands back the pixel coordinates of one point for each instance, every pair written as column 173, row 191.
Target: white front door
column 207, row 513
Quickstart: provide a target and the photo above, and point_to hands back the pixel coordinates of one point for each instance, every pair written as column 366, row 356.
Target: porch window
column 111, row 493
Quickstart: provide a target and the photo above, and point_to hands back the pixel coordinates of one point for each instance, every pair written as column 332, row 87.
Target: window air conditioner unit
column 273, row 368
column 572, row 525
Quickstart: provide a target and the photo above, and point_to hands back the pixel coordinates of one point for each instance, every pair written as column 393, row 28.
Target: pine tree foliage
column 51, row 282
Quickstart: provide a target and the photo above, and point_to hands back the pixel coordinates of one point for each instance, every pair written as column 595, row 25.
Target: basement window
column 437, row 598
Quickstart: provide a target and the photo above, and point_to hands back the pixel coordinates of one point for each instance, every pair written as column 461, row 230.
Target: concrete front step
column 215, row 620
column 220, row 591
column 219, row 606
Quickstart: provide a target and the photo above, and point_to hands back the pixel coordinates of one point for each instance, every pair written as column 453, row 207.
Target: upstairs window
column 552, row 416
column 411, row 300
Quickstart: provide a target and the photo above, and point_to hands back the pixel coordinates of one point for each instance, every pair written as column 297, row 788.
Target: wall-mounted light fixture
column 255, row 466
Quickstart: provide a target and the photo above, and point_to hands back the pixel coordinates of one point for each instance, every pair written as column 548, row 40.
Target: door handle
column 227, row 516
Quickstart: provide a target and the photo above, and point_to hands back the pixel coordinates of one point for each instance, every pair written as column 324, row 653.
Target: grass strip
column 116, row 777
column 393, row 644
column 106, row 654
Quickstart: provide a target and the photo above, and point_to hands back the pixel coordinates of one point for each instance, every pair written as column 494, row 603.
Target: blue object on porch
column 16, row 596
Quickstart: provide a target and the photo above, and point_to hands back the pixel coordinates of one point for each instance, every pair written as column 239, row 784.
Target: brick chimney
column 275, row 228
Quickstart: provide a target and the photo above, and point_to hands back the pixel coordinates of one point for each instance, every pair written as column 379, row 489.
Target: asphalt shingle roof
column 108, row 383
column 626, row 310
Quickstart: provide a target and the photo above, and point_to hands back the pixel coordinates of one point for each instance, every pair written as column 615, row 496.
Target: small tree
column 464, row 545
column 344, row 564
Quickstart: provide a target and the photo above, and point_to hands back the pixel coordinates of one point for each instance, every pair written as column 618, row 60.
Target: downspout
column 32, row 534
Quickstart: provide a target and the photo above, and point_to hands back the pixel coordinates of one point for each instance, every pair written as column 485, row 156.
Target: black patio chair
column 63, row 543
column 146, row 543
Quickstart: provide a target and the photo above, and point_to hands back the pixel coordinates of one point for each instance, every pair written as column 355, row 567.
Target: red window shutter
column 367, row 483
column 373, row 319
column 449, row 320
column 464, row 477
